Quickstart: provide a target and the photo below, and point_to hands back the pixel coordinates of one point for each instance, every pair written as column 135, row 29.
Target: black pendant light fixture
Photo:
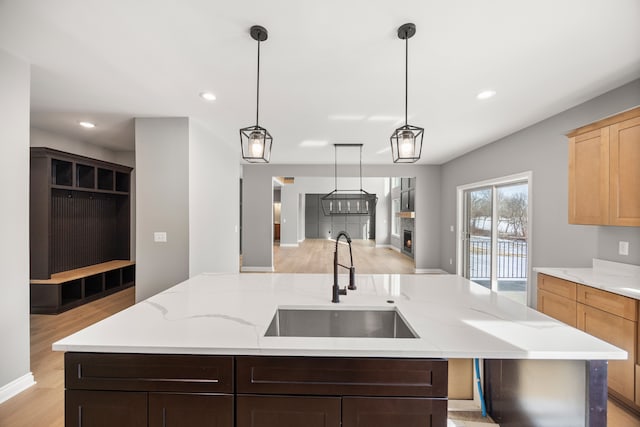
column 348, row 202
column 255, row 140
column 406, row 141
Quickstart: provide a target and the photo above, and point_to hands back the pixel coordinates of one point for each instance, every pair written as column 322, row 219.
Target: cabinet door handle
column 164, row 417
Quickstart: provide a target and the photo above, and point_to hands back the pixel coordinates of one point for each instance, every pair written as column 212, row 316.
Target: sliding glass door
column 495, row 237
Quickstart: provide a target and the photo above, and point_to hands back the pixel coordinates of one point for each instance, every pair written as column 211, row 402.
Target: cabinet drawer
column 146, row 372
column 558, row 307
column 557, row 286
column 606, row 301
column 339, row 376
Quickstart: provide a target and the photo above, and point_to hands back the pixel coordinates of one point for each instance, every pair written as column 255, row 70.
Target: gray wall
column 213, row 204
column 14, row 226
column 292, row 215
column 257, row 208
column 542, row 149
column 162, row 165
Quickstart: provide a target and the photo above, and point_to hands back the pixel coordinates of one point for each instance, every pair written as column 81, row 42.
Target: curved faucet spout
column 336, row 291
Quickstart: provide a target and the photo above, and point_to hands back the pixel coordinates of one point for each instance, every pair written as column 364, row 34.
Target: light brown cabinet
column 624, row 173
column 605, row 315
column 557, row 298
column 604, row 176
column 620, row 332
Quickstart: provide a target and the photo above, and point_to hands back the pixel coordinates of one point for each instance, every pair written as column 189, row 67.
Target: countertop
column 229, row 314
column 615, row 277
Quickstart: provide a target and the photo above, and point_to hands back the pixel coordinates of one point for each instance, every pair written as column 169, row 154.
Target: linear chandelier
column 348, row 202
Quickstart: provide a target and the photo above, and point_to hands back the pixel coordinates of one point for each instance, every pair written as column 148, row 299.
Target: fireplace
column 407, row 242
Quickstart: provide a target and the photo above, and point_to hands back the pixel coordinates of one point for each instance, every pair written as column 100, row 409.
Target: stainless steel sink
column 339, row 323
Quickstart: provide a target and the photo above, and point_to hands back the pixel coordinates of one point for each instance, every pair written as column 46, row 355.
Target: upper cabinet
column 604, row 171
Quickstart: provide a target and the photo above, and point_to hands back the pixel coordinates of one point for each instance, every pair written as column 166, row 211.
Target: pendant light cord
column 361, row 168
column 406, row 76
column 258, row 84
column 335, row 166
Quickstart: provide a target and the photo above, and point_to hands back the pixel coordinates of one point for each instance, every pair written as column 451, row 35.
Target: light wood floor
column 43, row 404
column 316, row 256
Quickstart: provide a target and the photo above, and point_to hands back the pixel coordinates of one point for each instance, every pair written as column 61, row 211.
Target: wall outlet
column 450, row 261
column 160, row 236
column 451, row 228
column 623, row 248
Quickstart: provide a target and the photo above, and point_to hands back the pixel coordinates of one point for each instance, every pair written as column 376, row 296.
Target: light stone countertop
column 229, row 314
column 615, row 277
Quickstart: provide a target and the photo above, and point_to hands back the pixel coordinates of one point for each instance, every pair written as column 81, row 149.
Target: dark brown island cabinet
column 258, row 391
column 79, row 226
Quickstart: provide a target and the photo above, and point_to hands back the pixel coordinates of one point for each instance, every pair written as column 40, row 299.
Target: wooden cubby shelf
column 72, row 288
column 79, row 229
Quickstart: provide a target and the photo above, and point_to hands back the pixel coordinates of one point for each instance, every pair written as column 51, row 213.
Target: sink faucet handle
column 352, row 278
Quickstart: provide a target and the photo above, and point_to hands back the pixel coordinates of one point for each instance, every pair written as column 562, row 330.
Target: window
column 395, row 219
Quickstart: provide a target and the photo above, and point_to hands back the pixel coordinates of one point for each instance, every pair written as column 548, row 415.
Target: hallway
column 316, row 256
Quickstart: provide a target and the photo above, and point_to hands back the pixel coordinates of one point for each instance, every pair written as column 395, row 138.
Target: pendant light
column 348, row 202
column 255, row 140
column 406, row 141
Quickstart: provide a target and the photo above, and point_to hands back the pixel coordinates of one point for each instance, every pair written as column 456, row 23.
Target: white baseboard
column 384, row 246
column 257, row 269
column 16, row 386
column 395, row 248
column 430, row 271
column 288, row 245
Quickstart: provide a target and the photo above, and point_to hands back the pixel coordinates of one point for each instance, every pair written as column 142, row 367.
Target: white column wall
column 15, row 373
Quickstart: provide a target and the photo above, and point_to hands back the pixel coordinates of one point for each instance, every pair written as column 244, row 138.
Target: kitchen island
column 200, row 347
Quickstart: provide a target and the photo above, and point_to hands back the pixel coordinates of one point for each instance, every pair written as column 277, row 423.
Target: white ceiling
column 331, row 70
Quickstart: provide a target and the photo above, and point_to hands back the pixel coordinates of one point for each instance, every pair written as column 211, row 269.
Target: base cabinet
column 84, row 408
column 245, row 391
column 619, row 332
column 611, row 317
column 288, row 411
column 105, row 408
column 405, row 412
column 190, row 410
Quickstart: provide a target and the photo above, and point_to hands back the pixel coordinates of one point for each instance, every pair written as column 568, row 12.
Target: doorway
column 494, row 247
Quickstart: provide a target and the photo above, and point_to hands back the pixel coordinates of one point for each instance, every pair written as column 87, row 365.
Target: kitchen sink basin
column 288, row 322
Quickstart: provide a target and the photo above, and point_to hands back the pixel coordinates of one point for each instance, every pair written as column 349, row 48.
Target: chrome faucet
column 352, row 270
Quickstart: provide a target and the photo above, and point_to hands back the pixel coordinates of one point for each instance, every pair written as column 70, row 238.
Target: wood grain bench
column 71, row 288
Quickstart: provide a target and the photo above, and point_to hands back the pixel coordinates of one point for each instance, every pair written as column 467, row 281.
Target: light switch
column 623, row 248
column 160, row 236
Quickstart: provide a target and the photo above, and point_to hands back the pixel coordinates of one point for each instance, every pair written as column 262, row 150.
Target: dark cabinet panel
column 387, row 412
column 190, row 410
column 311, row 208
column 288, row 411
column 184, row 373
column 342, row 376
column 105, row 408
column 77, row 217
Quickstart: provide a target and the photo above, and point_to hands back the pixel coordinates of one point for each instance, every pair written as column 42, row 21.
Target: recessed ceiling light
column 486, row 94
column 87, row 125
column 312, row 143
column 208, row 96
